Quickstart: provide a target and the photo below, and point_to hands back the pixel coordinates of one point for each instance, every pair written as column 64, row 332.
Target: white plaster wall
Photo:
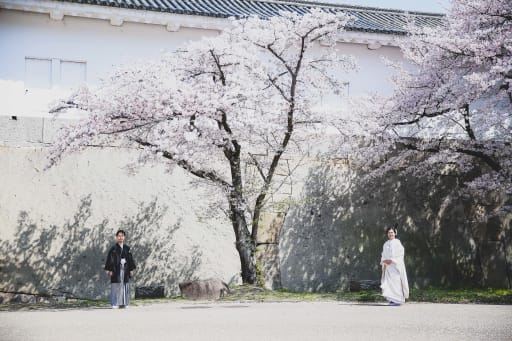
column 373, row 75
column 103, row 46
column 95, row 41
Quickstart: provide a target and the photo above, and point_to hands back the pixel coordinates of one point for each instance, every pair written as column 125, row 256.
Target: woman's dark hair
column 121, row 231
column 392, row 228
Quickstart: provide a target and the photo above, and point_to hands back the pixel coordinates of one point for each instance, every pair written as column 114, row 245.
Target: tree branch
column 495, row 166
column 258, row 167
column 281, row 91
column 207, row 175
column 424, row 114
column 467, row 123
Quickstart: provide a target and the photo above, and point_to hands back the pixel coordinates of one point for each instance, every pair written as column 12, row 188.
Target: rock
column 23, row 298
column 155, row 291
column 6, row 297
column 211, row 289
column 364, row 284
column 43, row 299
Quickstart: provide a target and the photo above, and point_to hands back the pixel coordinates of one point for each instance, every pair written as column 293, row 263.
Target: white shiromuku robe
column 395, row 287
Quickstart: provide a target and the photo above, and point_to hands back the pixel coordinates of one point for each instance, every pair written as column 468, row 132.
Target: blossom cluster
column 246, row 95
column 452, row 99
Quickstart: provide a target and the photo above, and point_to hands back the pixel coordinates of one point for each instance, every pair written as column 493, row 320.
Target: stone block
column 364, row 284
column 6, row 297
column 23, row 298
column 155, row 291
column 210, row 289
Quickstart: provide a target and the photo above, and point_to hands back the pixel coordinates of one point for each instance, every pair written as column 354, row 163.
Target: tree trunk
column 246, row 252
column 245, row 246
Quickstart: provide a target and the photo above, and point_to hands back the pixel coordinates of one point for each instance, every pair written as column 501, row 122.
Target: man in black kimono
column 120, row 266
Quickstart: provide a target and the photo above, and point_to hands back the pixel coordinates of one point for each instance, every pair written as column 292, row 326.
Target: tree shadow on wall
column 153, row 246
column 69, row 259
column 322, row 244
column 336, row 232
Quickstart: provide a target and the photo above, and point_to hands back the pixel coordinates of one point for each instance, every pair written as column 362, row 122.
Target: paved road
column 262, row 321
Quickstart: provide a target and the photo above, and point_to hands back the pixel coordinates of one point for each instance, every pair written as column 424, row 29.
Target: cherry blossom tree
column 452, row 101
column 246, row 96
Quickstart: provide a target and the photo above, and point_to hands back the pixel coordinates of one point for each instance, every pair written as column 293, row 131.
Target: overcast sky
column 435, row 6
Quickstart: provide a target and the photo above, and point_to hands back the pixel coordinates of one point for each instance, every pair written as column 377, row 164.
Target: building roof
column 369, row 19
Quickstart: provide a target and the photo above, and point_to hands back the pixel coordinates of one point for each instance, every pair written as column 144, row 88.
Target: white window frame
column 55, row 72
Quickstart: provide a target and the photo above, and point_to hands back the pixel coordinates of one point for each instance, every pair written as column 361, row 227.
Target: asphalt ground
column 262, row 321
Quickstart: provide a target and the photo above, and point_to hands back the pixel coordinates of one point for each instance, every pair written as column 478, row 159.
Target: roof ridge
column 369, row 19
column 348, row 6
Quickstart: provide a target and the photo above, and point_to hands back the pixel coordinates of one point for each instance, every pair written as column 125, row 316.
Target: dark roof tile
column 369, row 19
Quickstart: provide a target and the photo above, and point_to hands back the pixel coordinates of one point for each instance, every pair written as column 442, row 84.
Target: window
column 38, row 73
column 71, row 73
column 46, row 73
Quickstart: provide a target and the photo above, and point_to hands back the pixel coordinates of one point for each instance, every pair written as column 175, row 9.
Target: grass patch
column 436, row 295
column 54, row 305
column 433, row 295
column 248, row 293
column 257, row 294
column 81, row 304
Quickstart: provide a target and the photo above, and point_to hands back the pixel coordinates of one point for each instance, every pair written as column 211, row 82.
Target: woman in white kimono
column 395, row 287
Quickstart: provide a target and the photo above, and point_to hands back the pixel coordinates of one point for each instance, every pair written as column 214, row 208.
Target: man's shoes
column 115, row 307
column 391, row 303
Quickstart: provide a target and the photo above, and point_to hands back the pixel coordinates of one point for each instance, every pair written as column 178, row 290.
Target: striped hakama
column 120, row 292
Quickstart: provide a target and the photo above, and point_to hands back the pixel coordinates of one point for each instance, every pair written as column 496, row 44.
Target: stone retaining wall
column 336, row 231
column 57, row 225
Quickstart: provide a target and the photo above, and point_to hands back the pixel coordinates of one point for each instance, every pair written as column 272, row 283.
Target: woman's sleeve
column 382, row 259
column 397, row 255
